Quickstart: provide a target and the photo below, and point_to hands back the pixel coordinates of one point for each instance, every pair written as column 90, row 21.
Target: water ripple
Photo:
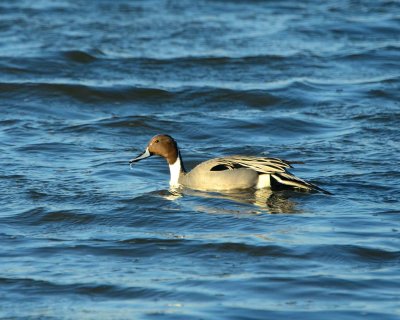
column 82, row 235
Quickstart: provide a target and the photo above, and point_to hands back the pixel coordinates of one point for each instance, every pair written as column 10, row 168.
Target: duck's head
column 162, row 145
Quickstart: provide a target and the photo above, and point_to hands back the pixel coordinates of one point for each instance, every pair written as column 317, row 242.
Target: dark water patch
column 14, row 177
column 139, row 121
column 10, row 122
column 65, row 217
column 36, row 195
column 374, row 255
column 84, row 93
column 95, row 291
column 140, row 248
column 208, row 61
column 41, row 216
column 91, row 94
column 252, row 98
column 394, row 212
column 356, row 254
column 154, row 241
column 390, row 94
column 250, row 250
column 129, row 249
column 79, row 56
column 50, row 147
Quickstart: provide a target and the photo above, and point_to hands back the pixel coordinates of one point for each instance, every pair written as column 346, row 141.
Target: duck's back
column 209, row 176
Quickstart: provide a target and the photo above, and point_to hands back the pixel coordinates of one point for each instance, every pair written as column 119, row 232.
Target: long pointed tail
column 284, row 180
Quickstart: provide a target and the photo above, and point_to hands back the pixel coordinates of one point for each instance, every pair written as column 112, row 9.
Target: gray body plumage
column 242, row 172
column 202, row 178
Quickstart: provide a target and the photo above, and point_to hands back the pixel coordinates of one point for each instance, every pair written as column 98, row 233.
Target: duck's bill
column 142, row 156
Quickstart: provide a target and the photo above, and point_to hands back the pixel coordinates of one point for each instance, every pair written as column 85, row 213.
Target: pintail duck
column 227, row 173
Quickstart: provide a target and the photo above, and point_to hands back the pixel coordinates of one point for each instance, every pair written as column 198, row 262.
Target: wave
column 87, row 93
column 83, row 92
column 44, row 287
column 368, row 52
column 41, row 216
column 80, row 56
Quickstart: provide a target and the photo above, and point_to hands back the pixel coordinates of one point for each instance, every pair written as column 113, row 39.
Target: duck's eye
column 157, row 141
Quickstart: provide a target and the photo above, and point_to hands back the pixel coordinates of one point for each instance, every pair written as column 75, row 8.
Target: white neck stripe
column 175, row 170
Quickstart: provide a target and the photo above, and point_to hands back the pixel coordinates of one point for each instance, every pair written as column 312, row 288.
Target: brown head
column 162, row 145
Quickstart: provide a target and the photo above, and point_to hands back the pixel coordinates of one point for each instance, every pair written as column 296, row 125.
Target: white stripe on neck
column 175, row 170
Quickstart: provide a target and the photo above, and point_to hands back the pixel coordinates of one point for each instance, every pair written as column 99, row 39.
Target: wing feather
column 277, row 168
column 259, row 164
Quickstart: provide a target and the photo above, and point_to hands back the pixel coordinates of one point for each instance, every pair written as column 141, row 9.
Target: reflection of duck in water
column 228, row 173
column 266, row 200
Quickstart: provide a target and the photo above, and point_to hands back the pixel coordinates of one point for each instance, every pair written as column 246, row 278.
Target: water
column 85, row 85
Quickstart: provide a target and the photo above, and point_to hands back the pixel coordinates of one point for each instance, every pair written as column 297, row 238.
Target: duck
column 225, row 173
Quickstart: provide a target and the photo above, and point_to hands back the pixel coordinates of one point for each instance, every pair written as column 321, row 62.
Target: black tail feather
column 287, row 181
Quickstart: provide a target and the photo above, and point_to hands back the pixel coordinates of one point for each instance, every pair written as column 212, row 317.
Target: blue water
column 85, row 84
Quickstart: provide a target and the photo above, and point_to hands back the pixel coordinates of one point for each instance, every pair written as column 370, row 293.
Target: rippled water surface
column 85, row 84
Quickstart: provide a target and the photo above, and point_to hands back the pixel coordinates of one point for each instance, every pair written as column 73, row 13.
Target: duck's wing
column 276, row 168
column 259, row 164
